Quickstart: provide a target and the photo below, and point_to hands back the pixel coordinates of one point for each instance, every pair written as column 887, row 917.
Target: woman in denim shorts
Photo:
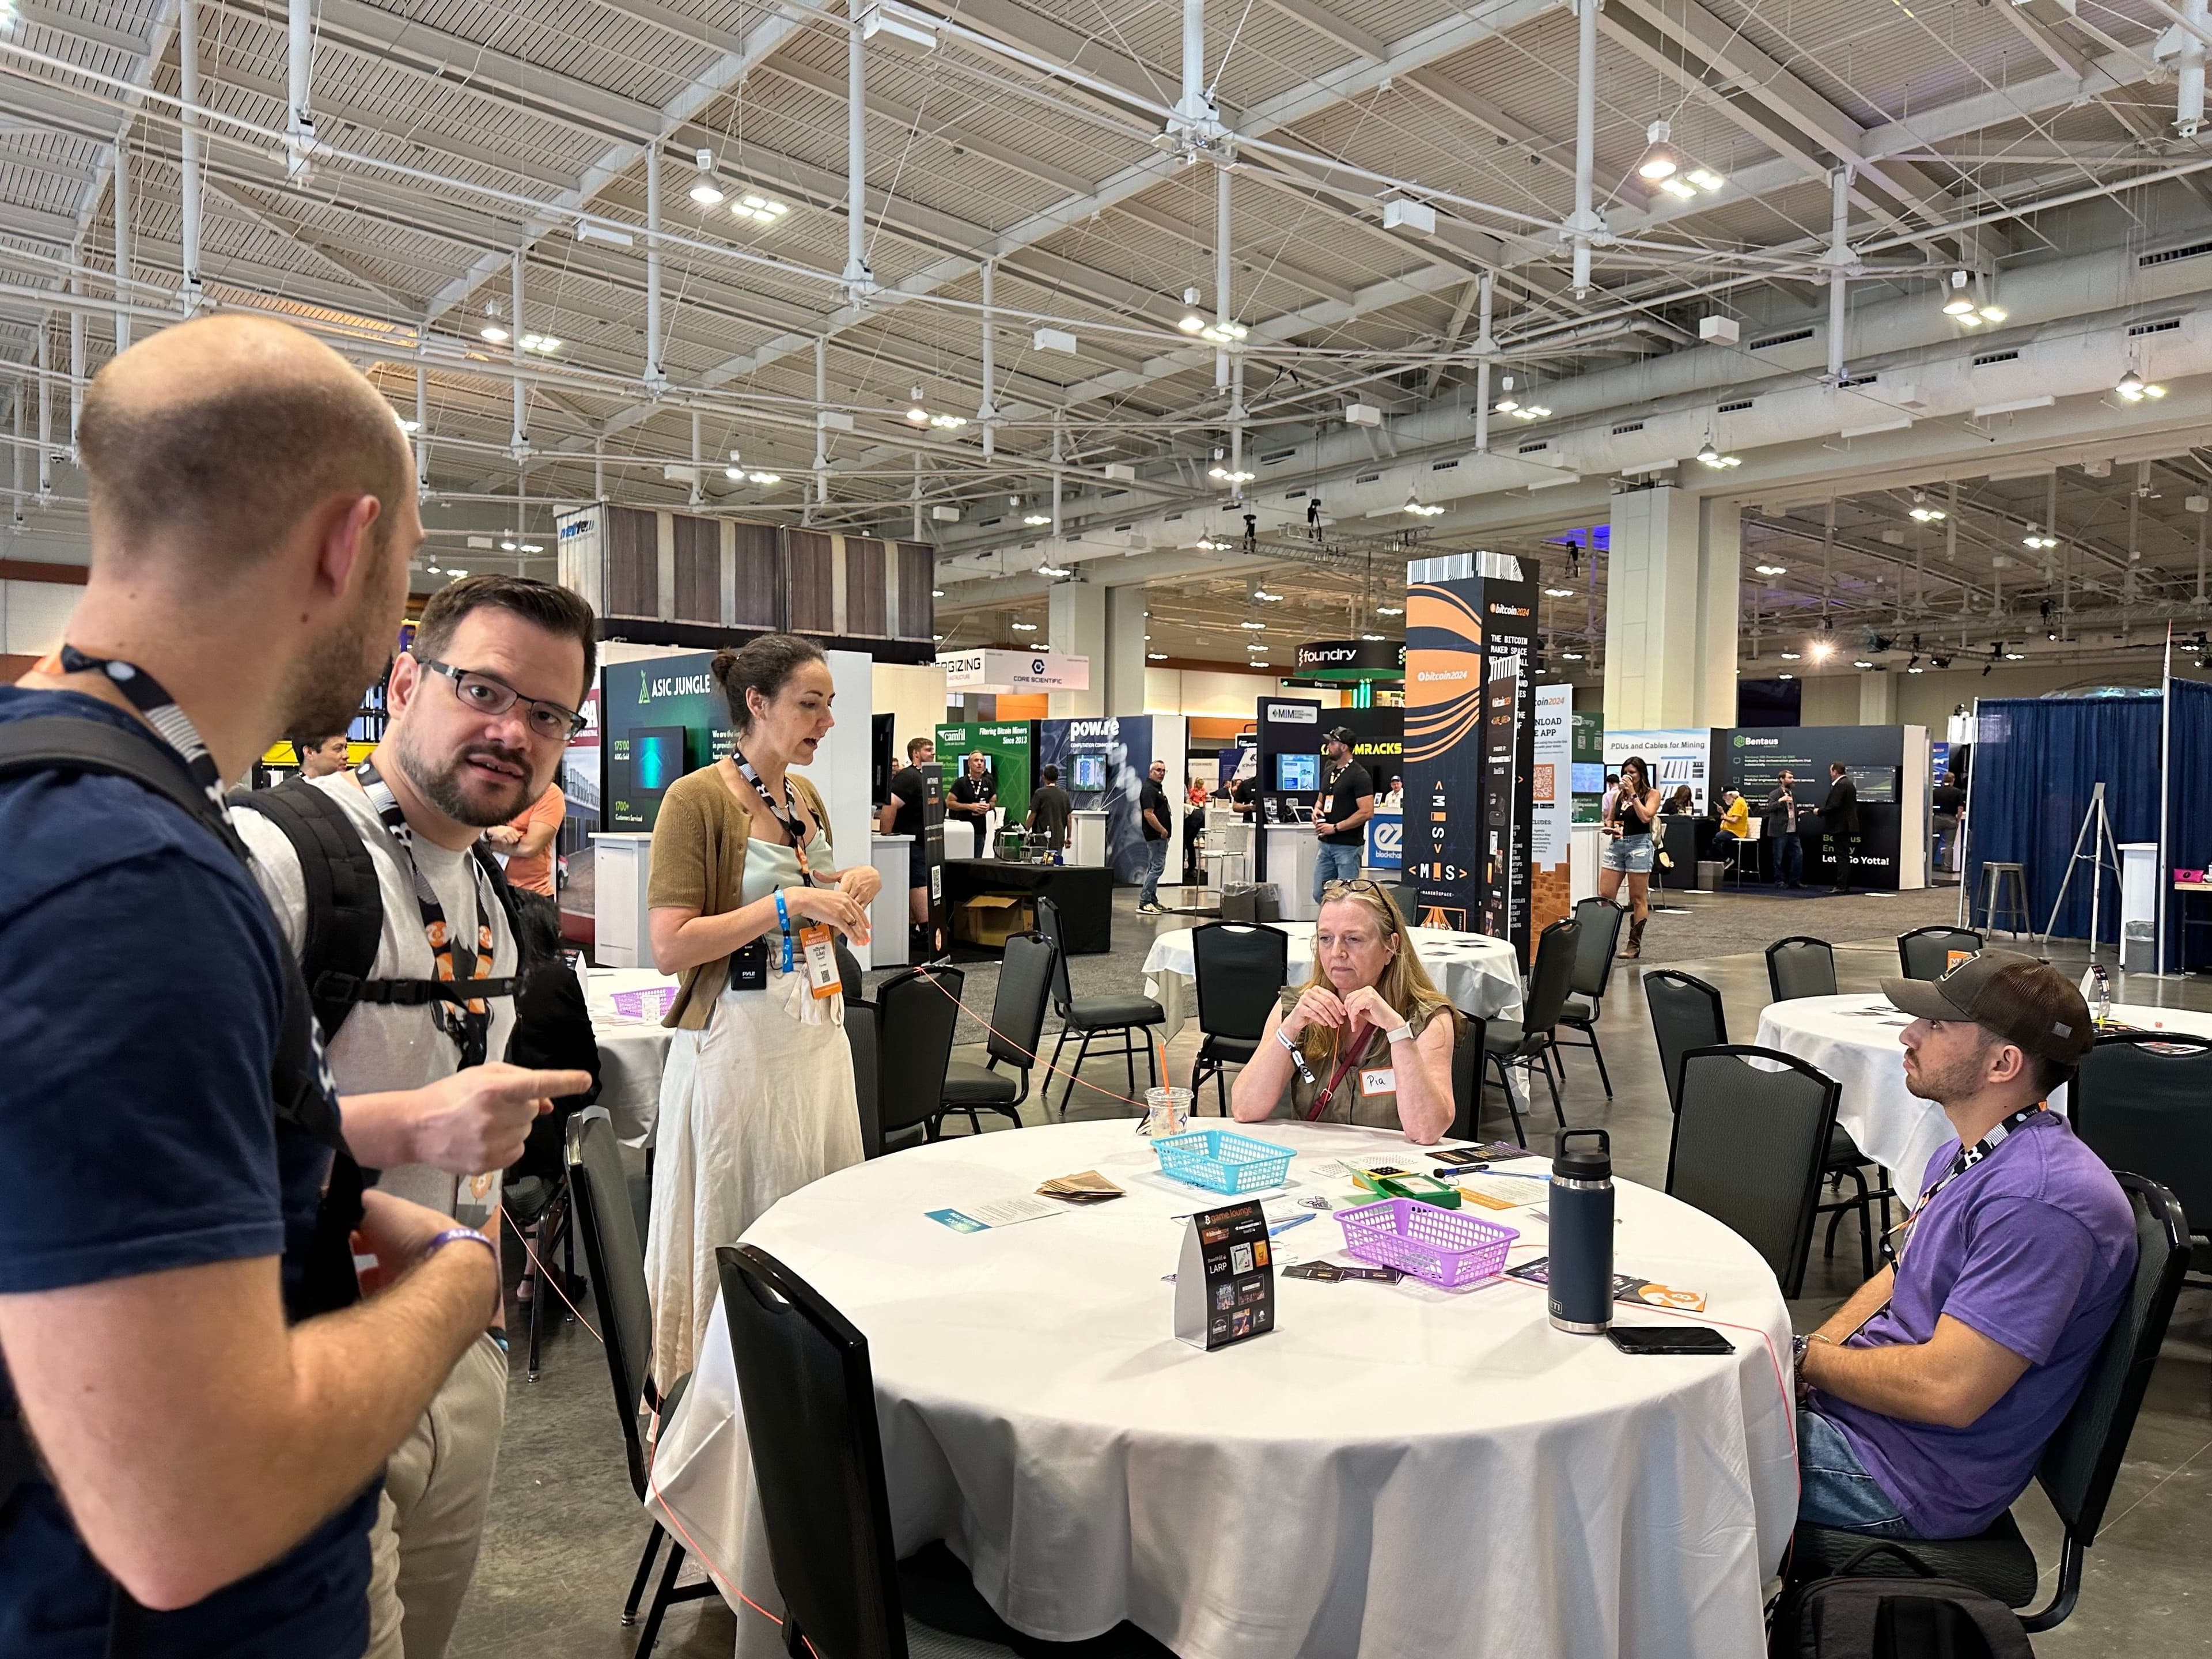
column 1628, row 850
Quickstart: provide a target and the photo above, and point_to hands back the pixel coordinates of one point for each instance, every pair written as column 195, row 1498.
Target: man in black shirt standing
column 1340, row 817
column 1049, row 813
column 1152, row 807
column 901, row 816
column 975, row 793
column 1839, row 817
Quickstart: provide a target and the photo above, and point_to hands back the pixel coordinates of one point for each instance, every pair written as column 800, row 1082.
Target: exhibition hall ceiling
column 1175, row 263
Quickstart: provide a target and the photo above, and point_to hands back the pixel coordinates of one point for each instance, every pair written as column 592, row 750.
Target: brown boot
column 1635, row 945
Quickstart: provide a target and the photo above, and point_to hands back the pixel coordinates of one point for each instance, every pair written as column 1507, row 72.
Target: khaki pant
column 430, row 1519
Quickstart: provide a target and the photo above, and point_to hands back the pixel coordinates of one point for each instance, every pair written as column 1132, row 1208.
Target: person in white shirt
column 482, row 707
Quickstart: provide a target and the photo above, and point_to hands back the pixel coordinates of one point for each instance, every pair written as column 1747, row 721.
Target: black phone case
column 1669, row 1339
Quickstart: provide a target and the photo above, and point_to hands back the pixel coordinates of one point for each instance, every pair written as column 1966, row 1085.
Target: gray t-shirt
column 380, row 1047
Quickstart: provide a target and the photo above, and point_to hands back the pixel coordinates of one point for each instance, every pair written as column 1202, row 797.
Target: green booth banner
column 1007, row 747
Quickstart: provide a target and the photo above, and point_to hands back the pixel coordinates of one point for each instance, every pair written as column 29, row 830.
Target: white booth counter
column 1585, row 846
column 1086, row 838
column 888, row 916
column 622, row 865
column 1291, row 869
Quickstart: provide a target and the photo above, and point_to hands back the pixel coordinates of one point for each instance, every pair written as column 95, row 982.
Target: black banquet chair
column 916, row 1010
column 2142, row 1100
column 2081, row 1460
column 1750, row 1146
column 867, row 1073
column 1016, row 1024
column 1092, row 1017
column 601, row 1194
column 1239, row 969
column 807, row 1389
column 1526, row 1043
column 1925, row 953
column 1801, row 966
column 1685, row 1014
column 1599, row 920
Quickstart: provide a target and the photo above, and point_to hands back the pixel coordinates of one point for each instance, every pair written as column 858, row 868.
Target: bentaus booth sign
column 1015, row 671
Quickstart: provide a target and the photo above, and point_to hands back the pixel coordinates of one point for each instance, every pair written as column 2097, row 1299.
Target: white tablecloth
column 633, row 1051
column 1855, row 1040
column 1478, row 974
column 1396, row 1472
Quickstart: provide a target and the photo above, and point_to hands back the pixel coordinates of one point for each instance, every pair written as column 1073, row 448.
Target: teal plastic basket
column 1224, row 1163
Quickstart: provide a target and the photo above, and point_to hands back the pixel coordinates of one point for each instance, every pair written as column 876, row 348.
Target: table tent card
column 1226, row 1283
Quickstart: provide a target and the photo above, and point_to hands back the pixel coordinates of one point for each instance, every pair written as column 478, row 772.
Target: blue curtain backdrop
column 2189, row 822
column 2035, row 762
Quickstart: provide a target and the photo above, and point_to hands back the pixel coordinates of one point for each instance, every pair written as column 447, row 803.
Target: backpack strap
column 345, row 905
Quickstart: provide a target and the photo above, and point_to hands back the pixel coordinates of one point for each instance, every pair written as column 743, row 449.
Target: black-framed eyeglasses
column 486, row 694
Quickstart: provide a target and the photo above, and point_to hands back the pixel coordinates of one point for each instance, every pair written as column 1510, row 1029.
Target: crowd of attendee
column 250, row 1274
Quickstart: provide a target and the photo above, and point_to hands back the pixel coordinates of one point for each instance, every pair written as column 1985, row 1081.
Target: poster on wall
column 661, row 717
column 1103, row 763
column 1005, row 748
column 1589, row 765
column 1677, row 757
column 1551, row 806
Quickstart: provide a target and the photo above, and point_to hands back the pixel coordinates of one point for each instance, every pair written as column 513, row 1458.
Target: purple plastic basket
column 652, row 1003
column 1444, row 1247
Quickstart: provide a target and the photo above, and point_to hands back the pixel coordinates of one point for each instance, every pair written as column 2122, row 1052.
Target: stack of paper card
column 1087, row 1188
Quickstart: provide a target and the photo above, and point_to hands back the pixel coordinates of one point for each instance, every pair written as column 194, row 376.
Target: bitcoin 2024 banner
column 1469, row 761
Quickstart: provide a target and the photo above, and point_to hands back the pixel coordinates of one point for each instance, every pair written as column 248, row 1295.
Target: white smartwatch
column 1403, row 1034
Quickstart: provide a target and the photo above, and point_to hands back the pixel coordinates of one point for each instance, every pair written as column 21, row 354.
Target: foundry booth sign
column 1343, row 661
column 1015, row 671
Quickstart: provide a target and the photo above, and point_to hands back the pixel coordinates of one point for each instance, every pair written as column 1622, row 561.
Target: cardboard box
column 991, row 919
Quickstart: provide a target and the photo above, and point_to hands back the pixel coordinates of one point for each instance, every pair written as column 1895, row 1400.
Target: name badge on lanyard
column 819, row 946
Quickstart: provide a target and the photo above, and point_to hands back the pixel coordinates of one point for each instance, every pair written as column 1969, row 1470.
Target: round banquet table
column 1855, row 1040
column 1396, row 1472
column 1478, row 974
column 632, row 1046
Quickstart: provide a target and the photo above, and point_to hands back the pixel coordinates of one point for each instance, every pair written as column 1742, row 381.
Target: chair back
column 2142, row 1101
column 1240, row 969
column 1925, row 953
column 1685, row 1014
column 916, row 1011
column 2083, row 1458
column 1018, row 1007
column 1047, row 914
column 1749, row 1144
column 1801, row 966
column 867, row 1074
column 1551, row 979
column 615, row 1261
column 1467, row 1075
column 1407, row 896
column 849, row 970
column 808, row 1396
column 1600, row 920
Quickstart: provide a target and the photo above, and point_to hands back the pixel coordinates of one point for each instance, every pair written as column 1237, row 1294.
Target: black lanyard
column 786, row 816
column 148, row 695
column 1968, row 1156
column 470, row 1024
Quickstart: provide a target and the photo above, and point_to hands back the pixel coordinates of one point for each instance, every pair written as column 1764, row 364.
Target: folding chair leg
column 1075, row 1072
column 644, row 1572
column 1866, row 1223
column 1221, row 1088
column 1505, row 1085
column 659, row 1610
column 1553, row 1083
column 540, row 1290
column 1151, row 1057
column 1052, row 1069
column 1598, row 1054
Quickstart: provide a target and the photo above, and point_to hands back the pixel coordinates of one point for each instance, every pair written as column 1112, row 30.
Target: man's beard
column 1959, row 1083
column 442, row 786
column 323, row 691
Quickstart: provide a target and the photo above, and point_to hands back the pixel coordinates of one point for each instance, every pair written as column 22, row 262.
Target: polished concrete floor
column 565, row 1530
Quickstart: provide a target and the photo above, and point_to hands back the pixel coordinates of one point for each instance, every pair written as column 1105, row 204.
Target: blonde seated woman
column 1367, row 1039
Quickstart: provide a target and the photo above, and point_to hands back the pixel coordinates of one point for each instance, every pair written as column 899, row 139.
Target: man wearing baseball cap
column 1340, row 813
column 1927, row 1399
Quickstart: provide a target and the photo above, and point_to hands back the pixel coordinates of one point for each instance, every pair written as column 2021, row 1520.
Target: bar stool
column 1995, row 879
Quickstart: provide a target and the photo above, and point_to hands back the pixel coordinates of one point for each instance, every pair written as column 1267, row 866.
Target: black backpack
column 1841, row 1617
column 345, row 908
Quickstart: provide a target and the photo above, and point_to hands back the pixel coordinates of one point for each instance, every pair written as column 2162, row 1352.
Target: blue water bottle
column 1581, row 1269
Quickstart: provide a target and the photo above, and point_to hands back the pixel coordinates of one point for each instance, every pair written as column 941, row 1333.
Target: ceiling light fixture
column 1420, row 509
column 2134, row 388
column 1957, row 302
column 1771, row 569
column 1711, row 457
column 1924, row 513
column 762, row 209
column 506, row 547
column 1156, row 656
column 764, row 479
column 735, row 474
column 1254, row 626
column 1661, row 159
column 1390, row 610
column 544, row 344
column 1507, row 403
column 1789, row 656
column 936, row 593
column 2037, row 539
column 1024, row 628
column 1229, row 475
column 1571, row 656
column 2016, row 656
column 1266, row 598
column 493, row 332
column 1862, row 662
column 1037, row 520
column 1560, row 592
column 704, row 192
column 410, row 428
column 1372, row 636
column 1786, row 677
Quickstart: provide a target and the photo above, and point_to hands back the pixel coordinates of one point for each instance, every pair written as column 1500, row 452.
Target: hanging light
column 761, row 210
column 703, row 192
column 1036, row 520
column 1771, row 569
column 2134, row 388
column 764, row 479
column 1957, row 302
column 1862, row 662
column 1507, row 403
column 1024, row 628
column 1789, row 656
column 1256, row 627
column 1711, row 457
column 1420, row 509
column 1559, row 592
column 1661, row 159
column 1532, row 412
column 735, row 474
column 916, row 412
column 1229, row 474
column 1390, row 610
column 493, row 332
column 1924, row 513
column 1706, row 178
column 2038, row 540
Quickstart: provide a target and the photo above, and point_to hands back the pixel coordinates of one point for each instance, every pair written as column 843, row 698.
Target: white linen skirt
column 754, row 1107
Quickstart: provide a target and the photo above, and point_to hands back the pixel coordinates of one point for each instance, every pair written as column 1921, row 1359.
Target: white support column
column 76, row 362
column 421, row 430
column 1878, row 697
column 915, row 493
column 821, row 432
column 300, row 121
column 1222, row 313
column 1078, row 621
column 656, row 379
column 1056, row 438
column 987, row 413
column 188, row 139
column 518, row 438
column 122, row 176
column 16, row 465
column 1124, row 666
column 45, row 408
column 1586, row 224
column 1673, row 595
column 1839, row 258
column 698, row 485
column 861, row 281
column 2189, row 101
column 1485, row 347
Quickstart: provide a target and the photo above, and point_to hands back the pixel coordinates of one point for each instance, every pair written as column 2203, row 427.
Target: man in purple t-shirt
column 1927, row 1399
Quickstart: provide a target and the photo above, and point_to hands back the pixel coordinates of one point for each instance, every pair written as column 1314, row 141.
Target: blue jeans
column 1156, row 860
column 1789, row 858
column 1335, row 864
column 1834, row 1489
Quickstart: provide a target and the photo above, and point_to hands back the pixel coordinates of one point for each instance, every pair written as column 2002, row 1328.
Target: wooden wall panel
column 760, row 577
column 810, row 582
column 866, row 603
column 633, row 563
column 698, row 569
column 916, row 614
